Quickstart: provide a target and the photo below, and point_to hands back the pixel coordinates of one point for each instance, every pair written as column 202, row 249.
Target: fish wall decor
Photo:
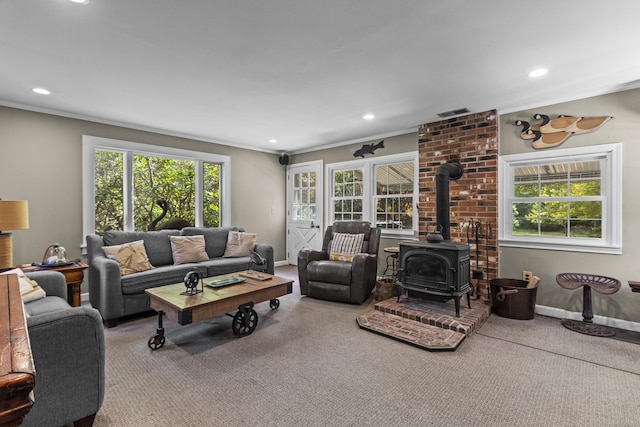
column 368, row 149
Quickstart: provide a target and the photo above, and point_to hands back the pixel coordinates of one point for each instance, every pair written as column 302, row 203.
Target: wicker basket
column 385, row 289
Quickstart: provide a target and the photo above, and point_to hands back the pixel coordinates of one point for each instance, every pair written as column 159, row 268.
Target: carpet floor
column 309, row 364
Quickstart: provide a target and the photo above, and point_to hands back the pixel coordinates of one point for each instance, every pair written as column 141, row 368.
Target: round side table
column 601, row 284
column 392, row 260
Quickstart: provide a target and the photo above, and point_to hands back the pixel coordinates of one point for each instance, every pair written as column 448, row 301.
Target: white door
column 304, row 209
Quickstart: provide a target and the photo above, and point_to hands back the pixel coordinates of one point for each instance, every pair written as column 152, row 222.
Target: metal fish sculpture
column 368, row 149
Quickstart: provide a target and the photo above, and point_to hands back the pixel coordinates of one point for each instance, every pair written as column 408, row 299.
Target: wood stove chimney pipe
column 451, row 170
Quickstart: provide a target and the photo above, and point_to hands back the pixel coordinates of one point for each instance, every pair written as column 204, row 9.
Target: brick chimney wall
column 473, row 141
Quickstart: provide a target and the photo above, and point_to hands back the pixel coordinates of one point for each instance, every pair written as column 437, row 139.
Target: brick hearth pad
column 427, row 324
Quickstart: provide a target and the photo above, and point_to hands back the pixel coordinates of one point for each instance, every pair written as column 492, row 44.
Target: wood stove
column 435, row 271
column 438, row 270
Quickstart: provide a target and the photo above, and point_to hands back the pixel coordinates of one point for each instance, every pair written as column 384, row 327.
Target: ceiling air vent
column 454, row 113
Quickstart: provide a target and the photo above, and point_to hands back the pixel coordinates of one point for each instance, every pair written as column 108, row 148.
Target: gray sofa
column 116, row 296
column 67, row 344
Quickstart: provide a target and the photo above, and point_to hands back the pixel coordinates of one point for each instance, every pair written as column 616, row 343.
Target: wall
column 471, row 140
column 42, row 163
column 624, row 128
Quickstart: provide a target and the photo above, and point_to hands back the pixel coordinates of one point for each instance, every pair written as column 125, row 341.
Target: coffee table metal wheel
column 245, row 320
column 157, row 341
column 274, row 304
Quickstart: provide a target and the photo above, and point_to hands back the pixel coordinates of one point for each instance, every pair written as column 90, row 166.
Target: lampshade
column 14, row 215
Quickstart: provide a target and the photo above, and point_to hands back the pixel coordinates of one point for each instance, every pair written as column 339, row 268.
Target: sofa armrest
column 266, row 251
column 305, row 256
column 52, row 282
column 105, row 289
column 69, row 358
column 363, row 276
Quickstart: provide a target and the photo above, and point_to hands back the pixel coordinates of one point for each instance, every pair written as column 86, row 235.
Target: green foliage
column 558, row 217
column 109, row 201
column 153, row 178
column 162, row 178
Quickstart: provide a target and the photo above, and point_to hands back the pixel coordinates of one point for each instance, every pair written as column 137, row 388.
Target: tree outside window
column 561, row 200
column 154, row 178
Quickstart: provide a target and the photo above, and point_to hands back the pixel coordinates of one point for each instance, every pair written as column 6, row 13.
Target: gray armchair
column 67, row 344
column 341, row 281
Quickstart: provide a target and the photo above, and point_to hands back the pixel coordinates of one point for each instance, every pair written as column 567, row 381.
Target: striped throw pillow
column 345, row 245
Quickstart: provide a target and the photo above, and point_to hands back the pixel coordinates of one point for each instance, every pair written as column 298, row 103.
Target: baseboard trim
column 281, row 263
column 601, row 320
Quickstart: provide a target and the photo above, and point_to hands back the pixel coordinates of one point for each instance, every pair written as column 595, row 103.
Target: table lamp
column 14, row 215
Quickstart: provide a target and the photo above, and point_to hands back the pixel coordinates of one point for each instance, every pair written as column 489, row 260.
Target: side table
column 73, row 275
column 392, row 260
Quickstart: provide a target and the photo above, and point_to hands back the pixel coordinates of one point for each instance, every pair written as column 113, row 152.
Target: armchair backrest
column 371, row 234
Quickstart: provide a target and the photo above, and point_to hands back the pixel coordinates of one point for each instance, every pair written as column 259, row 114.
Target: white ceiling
column 304, row 72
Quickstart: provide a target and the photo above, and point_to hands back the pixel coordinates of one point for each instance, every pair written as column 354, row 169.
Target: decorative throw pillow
column 345, row 245
column 132, row 257
column 29, row 289
column 186, row 249
column 239, row 244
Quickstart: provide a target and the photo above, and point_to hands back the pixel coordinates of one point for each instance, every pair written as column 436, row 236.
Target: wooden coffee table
column 171, row 302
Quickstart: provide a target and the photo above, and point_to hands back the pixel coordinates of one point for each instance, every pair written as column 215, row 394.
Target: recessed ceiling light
column 368, row 116
column 41, row 91
column 273, row 141
column 80, row 1
column 538, row 72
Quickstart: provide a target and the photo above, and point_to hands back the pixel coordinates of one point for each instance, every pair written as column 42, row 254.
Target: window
column 131, row 186
column 380, row 190
column 348, row 194
column 394, row 195
column 562, row 199
column 304, row 196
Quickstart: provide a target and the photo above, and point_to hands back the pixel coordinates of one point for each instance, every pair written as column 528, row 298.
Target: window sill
column 565, row 247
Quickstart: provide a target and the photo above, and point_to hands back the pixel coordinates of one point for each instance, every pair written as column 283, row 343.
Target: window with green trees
column 568, row 198
column 347, row 194
column 558, row 199
column 136, row 189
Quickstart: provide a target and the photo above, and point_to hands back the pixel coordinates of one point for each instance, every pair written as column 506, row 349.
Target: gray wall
column 625, row 128
column 392, row 145
column 42, row 163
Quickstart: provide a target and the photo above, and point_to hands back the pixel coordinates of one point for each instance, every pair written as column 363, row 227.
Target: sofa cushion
column 345, row 245
column 46, row 305
column 186, row 249
column 239, row 244
column 219, row 266
column 156, row 243
column 215, row 239
column 29, row 289
column 165, row 275
column 132, row 257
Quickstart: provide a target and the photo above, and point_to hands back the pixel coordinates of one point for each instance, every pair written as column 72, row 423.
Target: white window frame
column 368, row 188
column 610, row 156
column 91, row 144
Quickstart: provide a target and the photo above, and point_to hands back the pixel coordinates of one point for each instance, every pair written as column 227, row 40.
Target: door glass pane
column 304, row 196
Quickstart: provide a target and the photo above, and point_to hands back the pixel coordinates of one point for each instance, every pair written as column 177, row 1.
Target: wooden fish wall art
column 368, row 149
column 553, row 132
